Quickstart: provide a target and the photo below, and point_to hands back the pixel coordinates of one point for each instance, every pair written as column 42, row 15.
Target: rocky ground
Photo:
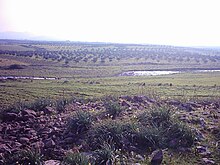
column 47, row 130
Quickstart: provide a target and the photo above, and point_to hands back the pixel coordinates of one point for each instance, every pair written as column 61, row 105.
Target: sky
column 168, row 22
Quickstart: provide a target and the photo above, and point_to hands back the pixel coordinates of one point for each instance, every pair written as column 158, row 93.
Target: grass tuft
column 80, row 122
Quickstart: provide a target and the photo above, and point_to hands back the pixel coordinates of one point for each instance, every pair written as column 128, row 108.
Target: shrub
column 75, row 159
column 40, row 104
column 163, row 130
column 24, row 157
column 113, row 108
column 80, row 122
column 113, row 132
column 146, row 138
column 178, row 135
column 105, row 155
column 60, row 104
column 159, row 116
column 15, row 66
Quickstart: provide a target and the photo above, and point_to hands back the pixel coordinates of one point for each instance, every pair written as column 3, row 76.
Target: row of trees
column 117, row 52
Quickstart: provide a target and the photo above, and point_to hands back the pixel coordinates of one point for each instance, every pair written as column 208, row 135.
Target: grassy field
column 93, row 69
column 184, row 86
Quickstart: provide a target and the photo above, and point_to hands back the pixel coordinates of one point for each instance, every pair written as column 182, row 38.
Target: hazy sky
column 175, row 22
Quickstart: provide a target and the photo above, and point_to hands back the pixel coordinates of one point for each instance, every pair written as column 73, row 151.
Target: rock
column 128, row 98
column 202, row 122
column 184, row 118
column 49, row 110
column 49, row 143
column 68, row 140
column 194, row 105
column 138, row 99
column 203, row 151
column 173, row 143
column 124, row 103
column 208, row 161
column 174, row 102
column 156, row 157
column 4, row 148
column 139, row 157
column 23, row 140
column 38, row 144
column 17, row 144
column 29, row 112
column 185, row 107
column 52, row 162
column 10, row 116
column 199, row 135
column 46, row 131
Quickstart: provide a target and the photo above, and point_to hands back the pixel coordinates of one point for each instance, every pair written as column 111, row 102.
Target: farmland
column 93, row 69
column 87, row 76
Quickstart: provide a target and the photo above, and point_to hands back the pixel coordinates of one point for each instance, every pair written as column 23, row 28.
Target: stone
column 10, row 116
column 52, row 162
column 208, row 161
column 29, row 112
column 17, row 144
column 23, row 140
column 49, row 143
column 138, row 98
column 68, row 140
column 174, row 102
column 156, row 157
column 49, row 110
column 202, row 122
column 38, row 144
column 194, row 105
column 185, row 107
column 203, row 151
column 124, row 103
column 139, row 157
column 4, row 148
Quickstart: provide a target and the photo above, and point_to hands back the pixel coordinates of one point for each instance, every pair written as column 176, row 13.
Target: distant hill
column 24, row 36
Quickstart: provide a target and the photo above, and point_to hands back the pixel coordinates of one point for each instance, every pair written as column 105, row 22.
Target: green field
column 92, row 70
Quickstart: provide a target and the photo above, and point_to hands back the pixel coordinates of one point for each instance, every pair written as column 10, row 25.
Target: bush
column 15, row 66
column 80, row 122
column 159, row 117
column 164, row 130
column 113, row 108
column 146, row 138
column 75, row 159
column 24, row 157
column 60, row 104
column 40, row 104
column 105, row 155
column 178, row 135
column 113, row 132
